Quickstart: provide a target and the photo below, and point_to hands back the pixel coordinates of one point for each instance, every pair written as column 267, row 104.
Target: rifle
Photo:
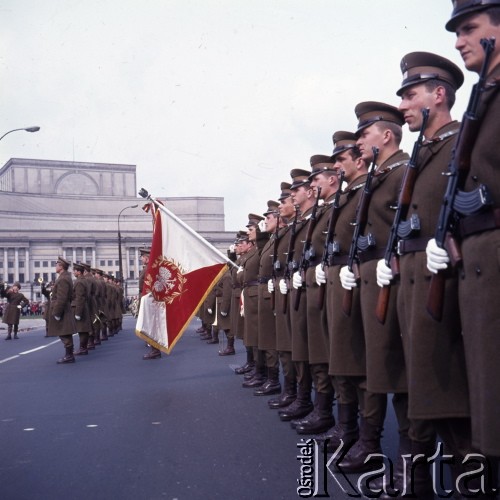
column 330, row 248
column 456, row 202
column 308, row 252
column 290, row 263
column 359, row 226
column 276, row 262
column 401, row 229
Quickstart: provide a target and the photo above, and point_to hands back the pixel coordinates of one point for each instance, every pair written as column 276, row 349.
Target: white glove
column 297, row 280
column 19, row 307
column 223, row 314
column 240, row 269
column 283, row 287
column 262, row 225
column 320, row 275
column 347, row 278
column 437, row 258
column 384, row 274
column 209, row 311
column 270, row 286
column 78, row 318
column 57, row 318
column 231, row 248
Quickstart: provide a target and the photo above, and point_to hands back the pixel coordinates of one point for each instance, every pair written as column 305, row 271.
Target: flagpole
column 200, row 238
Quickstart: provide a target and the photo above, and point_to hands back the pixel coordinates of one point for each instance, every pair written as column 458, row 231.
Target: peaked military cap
column 63, row 262
column 418, row 67
column 85, row 266
column 285, row 190
column 370, row 112
column 342, row 141
column 462, row 8
column 241, row 236
column 300, row 177
column 272, row 207
column 78, row 267
column 321, row 163
column 254, row 219
column 145, row 250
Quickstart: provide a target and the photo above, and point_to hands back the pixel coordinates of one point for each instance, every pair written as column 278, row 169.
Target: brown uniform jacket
column 434, row 352
column 80, row 304
column 60, row 306
column 223, row 291
column 250, row 299
column 479, row 294
column 347, row 341
column 12, row 313
column 267, row 324
column 385, row 363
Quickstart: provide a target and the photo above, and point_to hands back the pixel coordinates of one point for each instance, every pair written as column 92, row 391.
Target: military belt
column 412, row 245
column 479, row 223
column 236, row 286
column 264, row 279
column 250, row 283
column 371, row 254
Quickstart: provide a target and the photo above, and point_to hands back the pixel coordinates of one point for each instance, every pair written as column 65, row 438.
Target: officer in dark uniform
column 81, row 309
column 12, row 313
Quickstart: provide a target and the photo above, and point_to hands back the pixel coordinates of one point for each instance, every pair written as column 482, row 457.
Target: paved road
column 112, row 426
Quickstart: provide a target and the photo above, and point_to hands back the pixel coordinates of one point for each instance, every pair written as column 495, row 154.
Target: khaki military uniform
column 60, row 306
column 250, row 299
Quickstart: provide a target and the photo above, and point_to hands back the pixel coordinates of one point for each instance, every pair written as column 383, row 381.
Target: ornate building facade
column 76, row 210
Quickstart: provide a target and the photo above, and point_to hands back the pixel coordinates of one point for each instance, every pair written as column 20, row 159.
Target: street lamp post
column 27, row 129
column 120, row 263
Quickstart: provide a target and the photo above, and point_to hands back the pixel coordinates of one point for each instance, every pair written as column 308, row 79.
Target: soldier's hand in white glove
column 19, row 307
column 270, row 286
column 283, row 287
column 297, row 280
column 78, row 318
column 320, row 275
column 223, row 314
column 57, row 318
column 240, row 269
column 384, row 274
column 347, row 278
column 262, row 226
column 437, row 258
column 209, row 311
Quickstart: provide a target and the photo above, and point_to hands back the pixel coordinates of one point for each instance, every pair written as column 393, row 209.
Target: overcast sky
column 206, row 97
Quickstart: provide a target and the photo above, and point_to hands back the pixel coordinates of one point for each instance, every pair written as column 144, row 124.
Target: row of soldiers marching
column 346, row 283
column 91, row 305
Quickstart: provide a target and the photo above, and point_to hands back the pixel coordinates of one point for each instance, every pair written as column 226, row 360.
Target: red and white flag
column 183, row 267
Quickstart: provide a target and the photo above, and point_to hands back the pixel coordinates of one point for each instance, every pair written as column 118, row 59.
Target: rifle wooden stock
column 348, row 294
column 285, row 302
column 273, row 300
column 297, row 297
column 321, row 296
column 435, row 298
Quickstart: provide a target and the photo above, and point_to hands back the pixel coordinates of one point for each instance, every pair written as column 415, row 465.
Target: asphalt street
column 112, row 426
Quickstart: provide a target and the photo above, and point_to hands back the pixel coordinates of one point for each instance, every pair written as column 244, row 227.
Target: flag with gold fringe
column 183, row 267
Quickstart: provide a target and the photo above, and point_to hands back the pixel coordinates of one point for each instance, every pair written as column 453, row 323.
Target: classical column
column 16, row 264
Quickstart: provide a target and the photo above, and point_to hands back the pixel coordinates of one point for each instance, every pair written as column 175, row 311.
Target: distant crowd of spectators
column 31, row 309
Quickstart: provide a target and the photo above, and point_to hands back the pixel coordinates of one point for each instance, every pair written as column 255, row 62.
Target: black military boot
column 287, row 397
column 392, row 487
column 9, row 333
column 154, row 353
column 83, row 350
column 215, row 336
column 258, row 379
column 68, row 358
column 368, row 443
column 271, row 385
column 229, row 350
column 15, row 332
column 322, row 420
column 249, row 365
column 301, row 407
column 347, row 428
column 90, row 344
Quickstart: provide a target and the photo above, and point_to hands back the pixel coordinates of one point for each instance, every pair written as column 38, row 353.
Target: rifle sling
column 479, row 223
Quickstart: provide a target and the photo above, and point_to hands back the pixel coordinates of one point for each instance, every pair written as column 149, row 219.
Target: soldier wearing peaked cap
column 266, row 321
column 480, row 235
column 250, row 294
column 93, row 307
column 61, row 319
column 303, row 197
column 81, row 309
column 325, row 183
column 244, row 249
column 12, row 313
column 347, row 359
column 282, row 319
column 380, row 126
column 438, row 399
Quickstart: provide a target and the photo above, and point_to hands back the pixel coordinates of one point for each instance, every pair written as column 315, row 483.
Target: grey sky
column 207, row 97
